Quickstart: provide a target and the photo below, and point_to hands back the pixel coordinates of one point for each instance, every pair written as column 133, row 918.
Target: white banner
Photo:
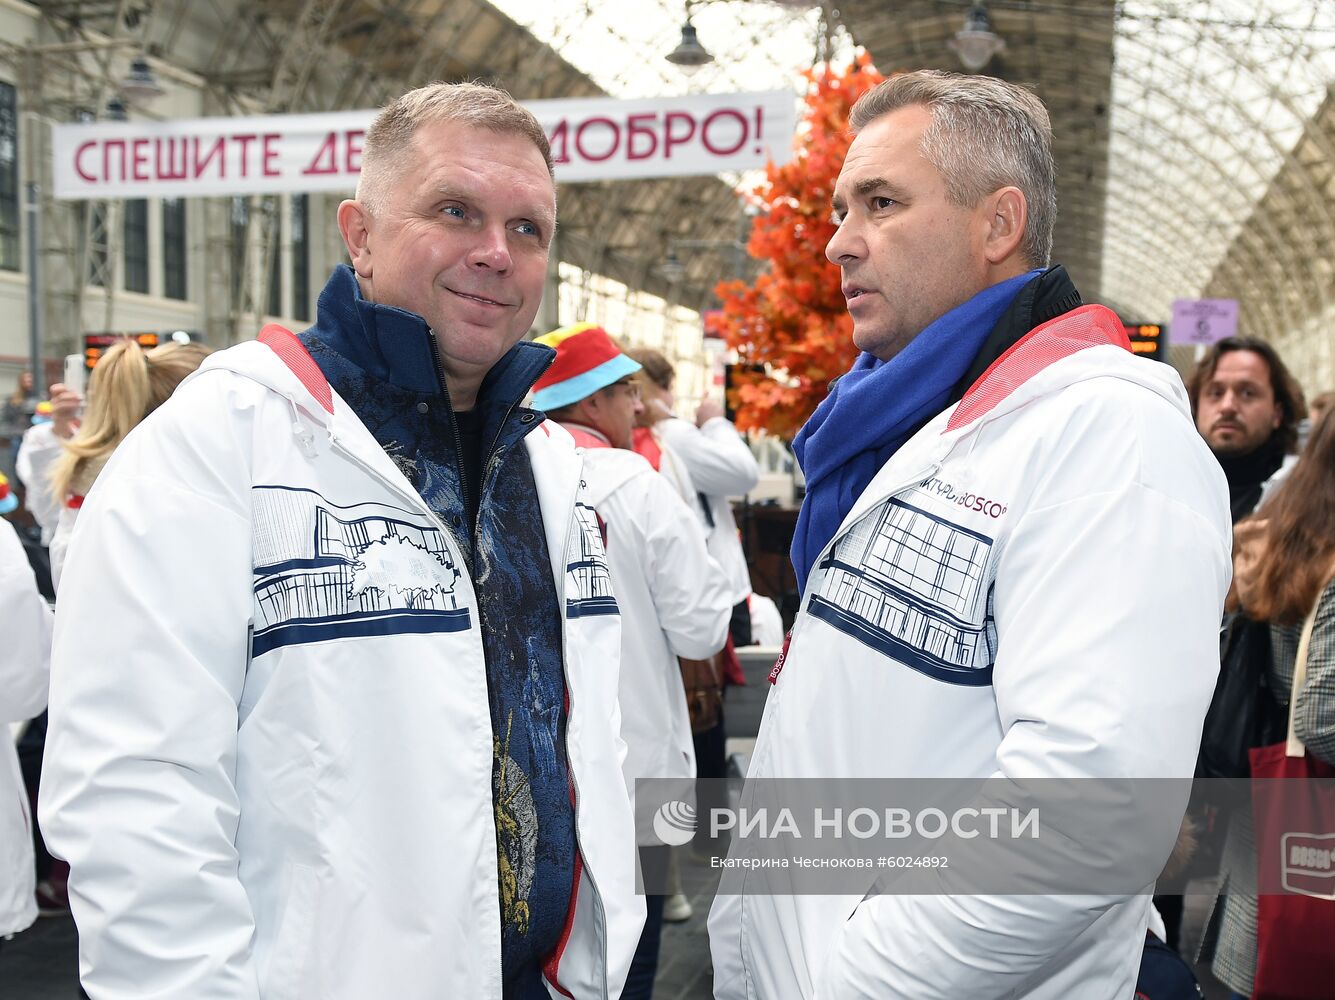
column 592, row 139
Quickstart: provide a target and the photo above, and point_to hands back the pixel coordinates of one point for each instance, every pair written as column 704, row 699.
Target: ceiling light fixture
column 976, row 43
column 141, row 85
column 689, row 55
column 671, row 269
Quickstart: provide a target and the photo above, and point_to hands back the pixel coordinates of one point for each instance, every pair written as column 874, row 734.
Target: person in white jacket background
column 25, row 654
column 715, row 464
column 1013, row 553
column 334, row 685
column 673, row 596
column 721, row 466
column 39, row 450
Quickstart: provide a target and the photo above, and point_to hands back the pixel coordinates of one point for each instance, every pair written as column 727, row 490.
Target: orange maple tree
column 793, row 319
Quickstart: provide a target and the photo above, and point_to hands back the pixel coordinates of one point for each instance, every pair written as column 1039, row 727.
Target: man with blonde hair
column 999, row 497
column 353, row 728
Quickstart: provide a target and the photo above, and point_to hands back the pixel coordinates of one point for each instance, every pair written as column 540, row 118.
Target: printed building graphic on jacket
column 587, row 567
column 328, row 572
column 908, row 584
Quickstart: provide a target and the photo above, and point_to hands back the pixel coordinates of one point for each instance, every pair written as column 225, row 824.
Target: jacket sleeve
column 138, row 789
column 687, row 586
column 36, row 459
column 717, row 457
column 25, row 654
column 1314, row 714
column 1107, row 609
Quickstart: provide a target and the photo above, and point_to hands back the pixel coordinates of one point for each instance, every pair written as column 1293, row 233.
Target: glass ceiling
column 1198, row 155
column 1209, row 100
column 621, row 46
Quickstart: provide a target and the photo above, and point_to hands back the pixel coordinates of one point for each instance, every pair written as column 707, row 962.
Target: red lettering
column 560, row 139
column 139, row 159
column 579, row 139
column 173, row 169
column 117, row 144
column 326, row 151
column 724, row 113
column 268, row 154
column 676, row 138
column 219, row 145
column 244, row 141
column 352, row 151
column 78, row 161
column 634, row 130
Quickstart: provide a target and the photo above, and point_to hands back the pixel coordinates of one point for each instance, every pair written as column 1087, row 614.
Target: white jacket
column 673, row 601
column 276, row 783
column 25, row 654
column 721, row 466
column 1035, row 581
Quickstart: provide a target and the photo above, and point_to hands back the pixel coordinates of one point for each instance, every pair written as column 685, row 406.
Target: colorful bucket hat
column 587, row 360
column 8, row 501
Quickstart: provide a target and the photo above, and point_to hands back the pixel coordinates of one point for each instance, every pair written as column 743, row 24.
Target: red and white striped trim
column 293, row 353
column 1088, row 326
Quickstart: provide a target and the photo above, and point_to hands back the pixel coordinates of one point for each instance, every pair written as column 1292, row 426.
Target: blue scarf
column 873, row 410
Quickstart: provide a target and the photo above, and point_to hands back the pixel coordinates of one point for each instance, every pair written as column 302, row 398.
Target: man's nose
column 845, row 245
column 492, row 250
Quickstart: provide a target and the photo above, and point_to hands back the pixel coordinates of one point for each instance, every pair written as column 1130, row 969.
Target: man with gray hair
column 334, row 699
column 1000, row 496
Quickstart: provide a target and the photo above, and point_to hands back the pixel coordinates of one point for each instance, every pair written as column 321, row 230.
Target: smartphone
column 76, row 373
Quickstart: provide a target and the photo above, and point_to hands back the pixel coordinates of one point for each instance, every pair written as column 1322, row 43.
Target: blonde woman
column 127, row 385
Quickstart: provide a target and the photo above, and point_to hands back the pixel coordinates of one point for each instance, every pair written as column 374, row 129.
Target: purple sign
column 1203, row 321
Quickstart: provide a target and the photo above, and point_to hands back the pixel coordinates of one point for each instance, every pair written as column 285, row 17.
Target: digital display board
column 1147, row 340
column 97, row 344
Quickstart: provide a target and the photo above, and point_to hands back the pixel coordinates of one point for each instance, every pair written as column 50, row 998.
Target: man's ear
column 591, row 407
column 1007, row 215
column 354, row 223
column 1279, row 417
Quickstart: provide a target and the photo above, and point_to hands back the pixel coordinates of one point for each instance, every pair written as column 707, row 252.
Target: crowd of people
column 366, row 634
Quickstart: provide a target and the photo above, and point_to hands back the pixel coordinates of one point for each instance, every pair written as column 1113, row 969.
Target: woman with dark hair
column 1282, row 568
column 15, row 418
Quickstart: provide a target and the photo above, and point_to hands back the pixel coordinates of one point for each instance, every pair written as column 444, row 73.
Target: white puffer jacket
column 271, row 770
column 1030, row 587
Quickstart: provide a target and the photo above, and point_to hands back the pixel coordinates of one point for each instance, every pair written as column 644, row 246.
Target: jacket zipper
column 491, row 452
column 574, row 782
column 458, row 441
